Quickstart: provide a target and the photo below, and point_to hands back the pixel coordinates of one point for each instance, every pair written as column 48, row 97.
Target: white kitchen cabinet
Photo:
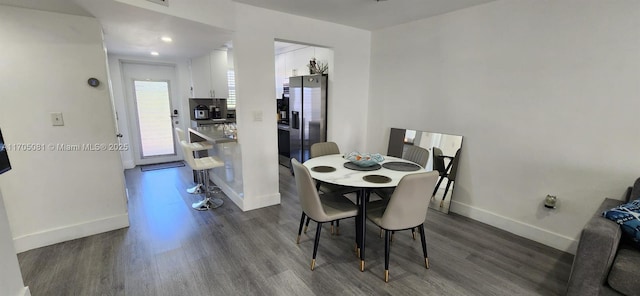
column 201, row 76
column 298, row 59
column 219, row 79
column 209, row 75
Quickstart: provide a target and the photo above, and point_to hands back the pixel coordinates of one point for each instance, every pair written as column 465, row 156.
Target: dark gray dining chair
column 321, row 210
column 407, row 209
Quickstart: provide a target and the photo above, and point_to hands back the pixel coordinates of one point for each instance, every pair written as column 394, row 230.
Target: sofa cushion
column 624, row 275
column 628, row 216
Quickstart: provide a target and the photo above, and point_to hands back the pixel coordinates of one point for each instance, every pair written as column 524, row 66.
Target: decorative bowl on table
column 364, row 159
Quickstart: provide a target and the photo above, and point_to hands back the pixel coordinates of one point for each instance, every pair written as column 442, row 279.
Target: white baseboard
column 62, row 234
column 261, row 202
column 543, row 236
column 231, row 194
column 241, row 201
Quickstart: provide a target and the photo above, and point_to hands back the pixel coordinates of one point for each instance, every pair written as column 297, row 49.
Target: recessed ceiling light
column 154, row 53
column 166, row 39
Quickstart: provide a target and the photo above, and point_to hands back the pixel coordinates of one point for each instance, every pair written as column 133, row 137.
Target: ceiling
column 134, row 31
column 365, row 14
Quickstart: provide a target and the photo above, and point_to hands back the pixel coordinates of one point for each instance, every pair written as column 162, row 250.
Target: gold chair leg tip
column 386, row 276
column 361, row 265
column 414, row 236
column 426, row 263
column 298, row 240
column 313, row 264
column 305, row 229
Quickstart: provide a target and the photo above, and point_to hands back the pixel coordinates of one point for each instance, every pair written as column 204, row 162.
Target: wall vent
column 162, row 2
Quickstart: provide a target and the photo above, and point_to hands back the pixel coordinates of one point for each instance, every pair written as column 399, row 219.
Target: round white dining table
column 321, row 169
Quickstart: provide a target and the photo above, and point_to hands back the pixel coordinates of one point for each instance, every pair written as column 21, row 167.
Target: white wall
column 545, row 94
column 256, row 29
column 10, row 277
column 54, row 196
column 119, row 98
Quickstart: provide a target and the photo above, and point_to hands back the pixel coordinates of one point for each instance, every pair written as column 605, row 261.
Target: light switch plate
column 257, row 115
column 56, row 119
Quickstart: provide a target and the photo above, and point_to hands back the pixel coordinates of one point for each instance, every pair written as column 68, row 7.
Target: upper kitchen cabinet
column 209, row 75
column 292, row 60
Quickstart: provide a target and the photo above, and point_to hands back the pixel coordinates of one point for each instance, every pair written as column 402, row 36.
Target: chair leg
column 337, row 227
column 331, row 228
column 445, row 192
column 413, row 233
column 300, row 228
column 306, row 225
column 387, row 249
column 315, row 246
column 424, row 246
column 437, row 186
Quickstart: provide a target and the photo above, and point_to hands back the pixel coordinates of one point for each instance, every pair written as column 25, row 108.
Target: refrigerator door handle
column 295, row 120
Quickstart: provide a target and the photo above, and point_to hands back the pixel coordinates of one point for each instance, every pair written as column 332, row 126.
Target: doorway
column 151, row 102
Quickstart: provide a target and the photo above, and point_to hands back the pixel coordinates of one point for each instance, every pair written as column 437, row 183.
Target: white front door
column 150, row 95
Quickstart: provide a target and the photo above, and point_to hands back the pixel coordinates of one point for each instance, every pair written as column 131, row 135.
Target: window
column 231, row 100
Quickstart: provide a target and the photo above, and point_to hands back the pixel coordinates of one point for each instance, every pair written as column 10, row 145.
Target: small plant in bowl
column 364, row 159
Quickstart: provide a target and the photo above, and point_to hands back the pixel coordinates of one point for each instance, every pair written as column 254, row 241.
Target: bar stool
column 196, row 146
column 202, row 166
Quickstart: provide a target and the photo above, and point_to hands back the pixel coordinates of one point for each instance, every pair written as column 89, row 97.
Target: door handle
column 119, row 135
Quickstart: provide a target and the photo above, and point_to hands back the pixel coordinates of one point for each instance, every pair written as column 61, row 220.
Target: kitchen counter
column 201, row 122
column 211, row 133
column 227, row 149
column 285, row 127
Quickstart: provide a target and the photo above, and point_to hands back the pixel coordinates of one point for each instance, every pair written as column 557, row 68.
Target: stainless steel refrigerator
column 307, row 114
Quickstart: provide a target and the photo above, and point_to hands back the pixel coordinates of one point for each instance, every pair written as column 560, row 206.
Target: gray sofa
column 605, row 262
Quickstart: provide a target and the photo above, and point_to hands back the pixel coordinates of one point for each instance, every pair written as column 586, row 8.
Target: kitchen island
column 227, row 148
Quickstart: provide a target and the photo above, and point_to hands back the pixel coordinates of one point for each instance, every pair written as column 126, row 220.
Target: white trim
column 543, row 236
column 259, row 202
column 263, row 201
column 231, row 194
column 128, row 164
column 62, row 234
column 26, row 291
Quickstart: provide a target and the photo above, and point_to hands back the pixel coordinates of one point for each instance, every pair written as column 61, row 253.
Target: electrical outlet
column 56, row 119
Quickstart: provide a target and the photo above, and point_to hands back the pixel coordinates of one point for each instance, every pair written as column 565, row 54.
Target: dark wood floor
column 170, row 249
